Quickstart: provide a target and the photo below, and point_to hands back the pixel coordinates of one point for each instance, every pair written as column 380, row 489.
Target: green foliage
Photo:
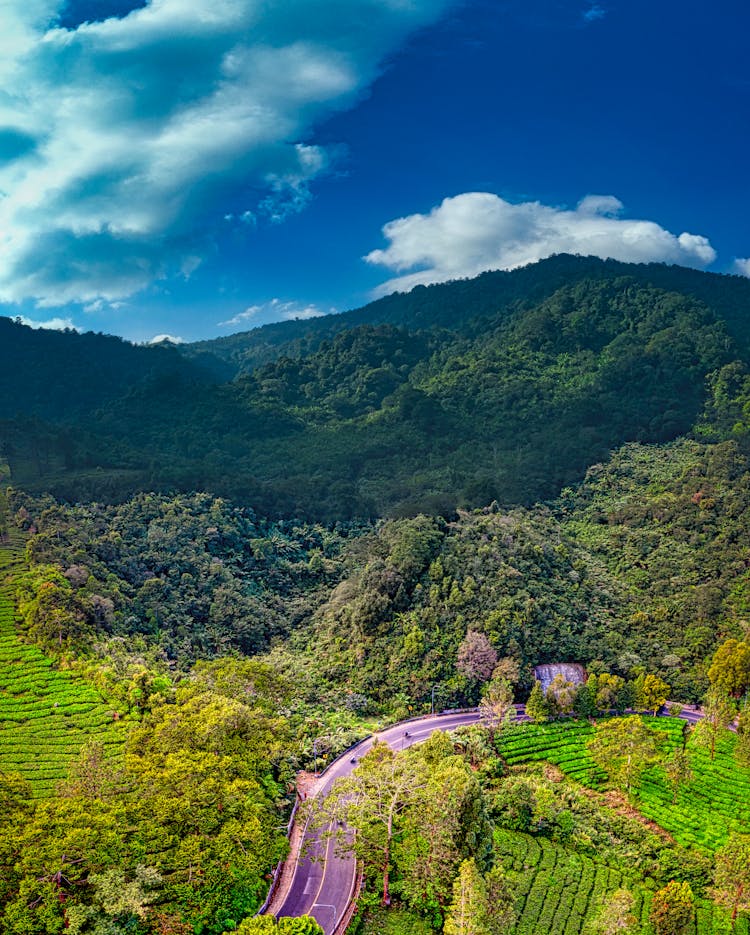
column 417, row 815
column 258, row 925
column 400, row 408
column 378, row 613
column 623, row 748
column 46, row 714
column 614, row 915
column 192, row 575
column 537, row 707
column 703, row 821
column 732, row 877
column 678, row 771
column 718, row 713
column 469, row 912
column 303, row 925
column 184, row 832
column 652, row 692
column 394, row 922
column 730, row 667
column 672, row 908
column 268, row 925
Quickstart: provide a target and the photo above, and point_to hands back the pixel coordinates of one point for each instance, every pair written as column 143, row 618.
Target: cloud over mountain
column 477, row 231
column 124, row 143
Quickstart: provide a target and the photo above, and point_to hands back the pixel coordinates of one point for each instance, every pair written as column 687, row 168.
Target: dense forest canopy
column 506, row 387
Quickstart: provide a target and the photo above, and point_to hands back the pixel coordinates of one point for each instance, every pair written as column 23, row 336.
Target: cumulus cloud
column 479, row 231
column 125, row 142
column 742, row 266
column 53, row 324
column 275, row 310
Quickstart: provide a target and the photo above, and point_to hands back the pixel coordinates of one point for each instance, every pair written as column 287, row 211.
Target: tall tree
column 672, row 908
column 537, row 707
column 732, row 875
column 652, row 692
column 742, row 746
column 561, row 695
column 501, row 901
column 370, row 801
column 476, row 656
column 678, row 772
column 608, row 691
column 446, row 823
column 469, row 913
column 718, row 713
column 730, row 667
column 496, row 705
column 624, row 748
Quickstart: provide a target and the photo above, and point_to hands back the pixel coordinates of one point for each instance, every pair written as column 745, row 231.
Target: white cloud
column 166, row 339
column 479, row 231
column 53, row 324
column 124, row 143
column 275, row 310
column 742, row 266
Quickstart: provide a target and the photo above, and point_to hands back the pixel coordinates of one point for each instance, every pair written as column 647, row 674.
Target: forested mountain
column 62, row 376
column 644, row 562
column 460, row 306
column 224, row 563
column 506, row 387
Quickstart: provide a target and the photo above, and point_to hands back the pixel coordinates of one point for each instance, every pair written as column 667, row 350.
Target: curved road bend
column 324, row 882
column 323, row 888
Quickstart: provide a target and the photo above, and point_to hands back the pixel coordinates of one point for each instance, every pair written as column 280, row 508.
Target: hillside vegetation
column 505, row 387
column 231, row 560
column 46, row 716
column 642, row 564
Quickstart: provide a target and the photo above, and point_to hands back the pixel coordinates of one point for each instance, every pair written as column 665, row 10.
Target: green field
column 46, row 715
column 714, row 803
column 558, row 889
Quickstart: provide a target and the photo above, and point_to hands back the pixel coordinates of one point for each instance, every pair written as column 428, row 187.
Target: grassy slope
column 46, row 715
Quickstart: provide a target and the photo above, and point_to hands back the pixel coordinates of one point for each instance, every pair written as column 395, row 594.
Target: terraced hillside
column 557, row 889
column 46, row 715
column 714, row 803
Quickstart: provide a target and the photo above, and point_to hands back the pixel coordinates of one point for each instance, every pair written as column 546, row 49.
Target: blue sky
column 194, row 168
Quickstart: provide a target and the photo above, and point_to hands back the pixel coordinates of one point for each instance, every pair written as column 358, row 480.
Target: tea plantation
column 46, row 715
column 557, row 889
column 714, row 803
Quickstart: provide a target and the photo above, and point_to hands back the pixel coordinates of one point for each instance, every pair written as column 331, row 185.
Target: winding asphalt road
column 324, row 881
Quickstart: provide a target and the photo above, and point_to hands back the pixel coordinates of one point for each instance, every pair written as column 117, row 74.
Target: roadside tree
column 718, row 713
column 537, row 707
column 730, row 667
column 652, row 693
column 370, row 802
column 496, row 706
